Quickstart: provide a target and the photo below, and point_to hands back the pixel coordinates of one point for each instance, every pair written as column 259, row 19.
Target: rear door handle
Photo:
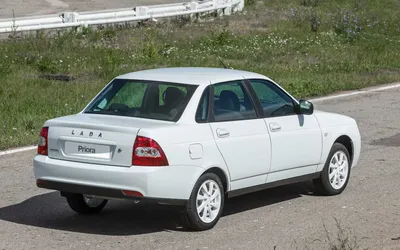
column 222, row 133
column 274, row 127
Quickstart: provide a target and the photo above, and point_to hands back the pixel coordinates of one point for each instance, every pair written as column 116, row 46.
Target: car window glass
column 144, row 99
column 131, row 94
column 163, row 92
column 231, row 102
column 273, row 100
column 202, row 110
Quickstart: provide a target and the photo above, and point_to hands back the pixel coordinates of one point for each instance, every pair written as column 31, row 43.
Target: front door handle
column 274, row 127
column 222, row 133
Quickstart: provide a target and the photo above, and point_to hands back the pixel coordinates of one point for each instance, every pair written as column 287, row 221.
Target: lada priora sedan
column 193, row 137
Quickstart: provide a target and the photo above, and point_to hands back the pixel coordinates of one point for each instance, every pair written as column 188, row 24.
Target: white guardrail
column 74, row 19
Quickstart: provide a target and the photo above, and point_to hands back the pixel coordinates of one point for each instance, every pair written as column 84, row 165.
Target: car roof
column 191, row 75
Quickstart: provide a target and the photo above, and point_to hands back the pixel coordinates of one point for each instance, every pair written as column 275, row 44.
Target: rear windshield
column 144, row 99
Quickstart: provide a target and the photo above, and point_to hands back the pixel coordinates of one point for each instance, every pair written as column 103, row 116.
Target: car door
column 296, row 139
column 240, row 135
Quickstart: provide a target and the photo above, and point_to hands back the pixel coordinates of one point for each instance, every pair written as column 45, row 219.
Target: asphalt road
column 43, row 7
column 289, row 217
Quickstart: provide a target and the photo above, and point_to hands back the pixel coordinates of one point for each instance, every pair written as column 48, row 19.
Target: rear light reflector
column 40, row 181
column 147, row 152
column 43, row 141
column 132, row 193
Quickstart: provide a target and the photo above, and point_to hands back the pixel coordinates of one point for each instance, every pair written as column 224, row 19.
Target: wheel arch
column 343, row 135
column 346, row 141
column 323, row 183
column 221, row 174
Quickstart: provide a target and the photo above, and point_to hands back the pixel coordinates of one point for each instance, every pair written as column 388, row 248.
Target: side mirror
column 305, row 107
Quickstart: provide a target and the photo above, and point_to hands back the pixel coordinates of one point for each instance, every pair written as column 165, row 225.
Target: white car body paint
column 334, row 126
column 255, row 152
column 248, row 144
column 298, row 138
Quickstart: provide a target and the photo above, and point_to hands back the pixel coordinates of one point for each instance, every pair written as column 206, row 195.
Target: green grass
column 311, row 47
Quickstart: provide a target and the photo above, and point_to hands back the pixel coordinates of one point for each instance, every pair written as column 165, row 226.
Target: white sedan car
column 192, row 137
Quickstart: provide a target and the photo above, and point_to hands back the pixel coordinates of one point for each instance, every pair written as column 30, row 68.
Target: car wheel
column 336, row 173
column 85, row 204
column 205, row 205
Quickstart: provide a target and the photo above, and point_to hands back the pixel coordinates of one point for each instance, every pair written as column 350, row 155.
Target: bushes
column 346, row 23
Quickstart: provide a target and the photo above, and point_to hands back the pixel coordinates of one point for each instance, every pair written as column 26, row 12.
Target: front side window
column 144, row 99
column 232, row 102
column 273, row 100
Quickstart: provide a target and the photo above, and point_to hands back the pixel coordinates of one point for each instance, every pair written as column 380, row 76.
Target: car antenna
column 220, row 60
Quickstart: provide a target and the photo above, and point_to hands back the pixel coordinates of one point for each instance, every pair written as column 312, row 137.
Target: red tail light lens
column 147, row 152
column 132, row 193
column 43, row 141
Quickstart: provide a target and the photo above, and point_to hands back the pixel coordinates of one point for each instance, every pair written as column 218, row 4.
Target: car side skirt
column 68, row 188
column 293, row 180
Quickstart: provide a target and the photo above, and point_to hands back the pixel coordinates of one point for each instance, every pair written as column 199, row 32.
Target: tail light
column 147, row 152
column 43, row 141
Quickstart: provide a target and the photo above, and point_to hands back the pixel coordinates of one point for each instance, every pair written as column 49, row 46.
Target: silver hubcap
column 338, row 170
column 208, row 201
column 92, row 201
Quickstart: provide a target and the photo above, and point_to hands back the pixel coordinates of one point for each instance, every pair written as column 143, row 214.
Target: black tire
column 189, row 216
column 77, row 203
column 323, row 184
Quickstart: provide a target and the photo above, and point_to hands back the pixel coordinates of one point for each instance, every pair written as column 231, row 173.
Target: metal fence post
column 193, row 7
column 70, row 17
column 142, row 11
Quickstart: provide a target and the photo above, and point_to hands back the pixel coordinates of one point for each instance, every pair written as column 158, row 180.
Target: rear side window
column 144, row 99
column 202, row 110
column 232, row 102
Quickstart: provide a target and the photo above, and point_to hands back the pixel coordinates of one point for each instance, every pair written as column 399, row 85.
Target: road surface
column 289, row 217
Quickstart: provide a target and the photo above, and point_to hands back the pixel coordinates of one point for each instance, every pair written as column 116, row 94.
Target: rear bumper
column 67, row 188
column 168, row 184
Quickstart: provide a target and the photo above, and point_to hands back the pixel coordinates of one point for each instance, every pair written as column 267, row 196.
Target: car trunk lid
column 98, row 139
